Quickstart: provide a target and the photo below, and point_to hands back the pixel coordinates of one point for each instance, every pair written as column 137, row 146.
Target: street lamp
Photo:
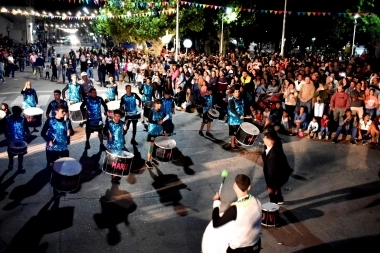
column 283, row 30
column 353, row 37
column 312, row 46
column 228, row 11
column 187, row 44
column 8, row 29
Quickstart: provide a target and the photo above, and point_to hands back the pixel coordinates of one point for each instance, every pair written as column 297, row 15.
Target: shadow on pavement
column 168, row 187
column 32, row 187
column 4, row 185
column 45, row 222
column 90, row 167
column 116, row 205
column 357, row 244
column 184, row 161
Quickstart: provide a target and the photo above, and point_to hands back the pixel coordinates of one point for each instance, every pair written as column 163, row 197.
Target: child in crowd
column 313, row 127
column 258, row 117
column 324, row 127
column 47, row 72
column 286, row 123
column 266, row 115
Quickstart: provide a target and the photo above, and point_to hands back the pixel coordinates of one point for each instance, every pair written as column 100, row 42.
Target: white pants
column 318, row 109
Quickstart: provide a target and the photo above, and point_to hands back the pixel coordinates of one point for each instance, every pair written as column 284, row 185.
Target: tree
column 137, row 22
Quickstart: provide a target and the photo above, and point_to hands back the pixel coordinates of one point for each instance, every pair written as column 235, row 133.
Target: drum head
column 2, row 114
column 33, row 111
column 18, row 144
column 67, row 166
column 250, row 128
column 138, row 111
column 113, row 105
column 75, row 107
column 270, row 207
column 165, row 142
column 120, row 153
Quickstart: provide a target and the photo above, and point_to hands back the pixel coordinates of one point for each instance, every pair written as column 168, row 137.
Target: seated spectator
column 300, row 120
column 313, row 128
column 286, row 123
column 364, row 129
column 348, row 124
column 375, row 130
column 276, row 115
column 324, row 127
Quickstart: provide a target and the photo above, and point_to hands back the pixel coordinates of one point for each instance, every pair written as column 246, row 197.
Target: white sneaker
column 320, row 137
column 327, row 137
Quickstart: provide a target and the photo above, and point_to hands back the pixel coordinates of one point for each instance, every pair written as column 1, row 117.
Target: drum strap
column 150, row 149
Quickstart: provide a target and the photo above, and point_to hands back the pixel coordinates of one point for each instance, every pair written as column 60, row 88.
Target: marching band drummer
column 111, row 90
column 155, row 129
column 30, row 97
column 168, row 106
column 129, row 107
column 235, row 115
column 16, row 129
column 116, row 129
column 56, row 132
column 246, row 212
column 75, row 92
column 53, row 104
column 94, row 123
column 207, row 105
column 147, row 93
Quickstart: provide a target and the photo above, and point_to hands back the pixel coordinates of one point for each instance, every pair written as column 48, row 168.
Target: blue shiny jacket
column 74, row 93
column 148, row 92
column 207, row 103
column 111, row 92
column 167, row 107
column 153, row 127
column 93, row 106
column 15, row 128
column 30, row 98
column 54, row 105
column 56, row 131
column 116, row 130
column 239, row 107
column 129, row 103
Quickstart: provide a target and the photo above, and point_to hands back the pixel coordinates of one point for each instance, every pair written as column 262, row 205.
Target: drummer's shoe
column 201, row 133
column 149, row 165
column 155, row 162
column 87, row 145
column 134, row 142
column 209, row 134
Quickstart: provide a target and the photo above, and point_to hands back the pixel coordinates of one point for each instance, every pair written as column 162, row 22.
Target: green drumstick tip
column 224, row 173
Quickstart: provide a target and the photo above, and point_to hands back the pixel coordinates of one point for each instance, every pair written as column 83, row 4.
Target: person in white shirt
column 246, row 214
column 11, row 65
column 313, row 128
column 299, row 82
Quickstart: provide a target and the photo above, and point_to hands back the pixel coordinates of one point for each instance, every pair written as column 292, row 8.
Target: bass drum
column 216, row 240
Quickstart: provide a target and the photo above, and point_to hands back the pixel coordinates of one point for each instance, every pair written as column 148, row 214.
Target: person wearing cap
column 93, row 104
column 86, row 84
column 155, row 128
column 246, row 212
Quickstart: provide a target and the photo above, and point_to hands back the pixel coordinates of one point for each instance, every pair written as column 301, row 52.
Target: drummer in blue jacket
column 147, row 93
column 235, row 115
column 155, row 129
column 116, row 129
column 207, row 105
column 168, row 106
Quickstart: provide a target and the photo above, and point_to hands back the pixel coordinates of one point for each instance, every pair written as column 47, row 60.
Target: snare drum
column 163, row 149
column 216, row 240
column 117, row 162
column 133, row 116
column 269, row 216
column 247, row 133
column 66, row 174
column 95, row 125
column 76, row 115
column 18, row 147
column 33, row 116
column 112, row 106
column 3, row 116
column 147, row 107
column 213, row 114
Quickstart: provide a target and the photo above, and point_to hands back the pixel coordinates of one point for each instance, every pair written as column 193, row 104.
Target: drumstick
column 248, row 117
column 224, row 175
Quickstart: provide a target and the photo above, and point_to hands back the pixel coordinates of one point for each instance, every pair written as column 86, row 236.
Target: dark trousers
column 134, row 127
column 275, row 198
column 52, row 156
column 251, row 249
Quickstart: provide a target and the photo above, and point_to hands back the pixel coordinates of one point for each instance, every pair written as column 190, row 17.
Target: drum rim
column 71, row 160
column 108, row 152
column 247, row 123
column 270, row 204
column 40, row 111
column 116, row 102
column 75, row 104
column 175, row 143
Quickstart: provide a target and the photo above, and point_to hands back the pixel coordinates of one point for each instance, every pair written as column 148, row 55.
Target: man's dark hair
column 16, row 110
column 58, row 91
column 242, row 181
column 60, row 106
column 167, row 92
column 91, row 90
column 118, row 112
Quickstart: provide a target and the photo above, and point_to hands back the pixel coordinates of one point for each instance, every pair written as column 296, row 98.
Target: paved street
column 331, row 202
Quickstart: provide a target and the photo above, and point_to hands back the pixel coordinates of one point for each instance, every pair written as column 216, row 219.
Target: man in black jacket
column 276, row 167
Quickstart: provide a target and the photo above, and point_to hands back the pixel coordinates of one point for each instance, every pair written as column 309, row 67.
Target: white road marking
column 2, row 99
column 43, row 100
column 18, row 101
